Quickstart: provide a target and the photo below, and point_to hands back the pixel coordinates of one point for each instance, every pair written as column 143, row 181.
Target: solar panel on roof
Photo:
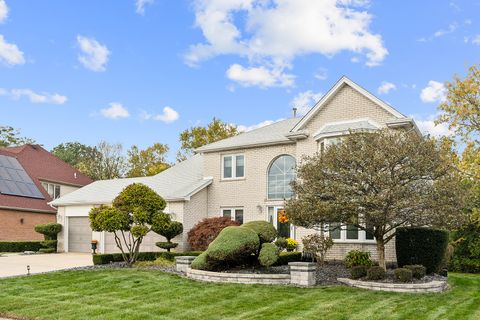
column 15, row 181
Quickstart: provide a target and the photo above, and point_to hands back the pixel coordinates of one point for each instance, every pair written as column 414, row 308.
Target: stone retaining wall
column 301, row 274
column 428, row 287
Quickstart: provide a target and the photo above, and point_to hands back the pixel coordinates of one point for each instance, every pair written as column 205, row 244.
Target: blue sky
column 141, row 71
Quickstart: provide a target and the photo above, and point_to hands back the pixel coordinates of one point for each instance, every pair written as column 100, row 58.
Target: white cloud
column 427, row 126
column 273, row 33
column 321, row 74
column 94, row 55
column 386, row 87
column 476, row 40
column 115, row 111
column 3, row 11
column 10, row 55
column 304, row 101
column 434, row 92
column 169, row 115
column 451, row 28
column 259, row 76
column 34, row 97
column 243, row 128
column 141, row 4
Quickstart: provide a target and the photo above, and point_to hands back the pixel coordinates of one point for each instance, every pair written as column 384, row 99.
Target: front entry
column 275, row 217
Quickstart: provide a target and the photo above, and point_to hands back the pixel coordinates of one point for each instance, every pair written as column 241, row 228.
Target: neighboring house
column 31, row 177
column 246, row 177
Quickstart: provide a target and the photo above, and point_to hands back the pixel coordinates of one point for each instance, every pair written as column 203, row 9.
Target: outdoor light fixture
column 28, row 270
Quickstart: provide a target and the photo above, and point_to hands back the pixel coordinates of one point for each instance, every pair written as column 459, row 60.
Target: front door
column 284, row 228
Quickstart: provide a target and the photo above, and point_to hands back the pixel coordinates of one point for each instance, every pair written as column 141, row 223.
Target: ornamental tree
column 164, row 226
column 378, row 182
column 129, row 218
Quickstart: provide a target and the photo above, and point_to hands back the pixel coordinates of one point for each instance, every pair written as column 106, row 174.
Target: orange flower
column 282, row 216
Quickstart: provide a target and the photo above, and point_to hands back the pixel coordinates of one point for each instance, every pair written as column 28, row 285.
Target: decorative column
column 182, row 263
column 303, row 273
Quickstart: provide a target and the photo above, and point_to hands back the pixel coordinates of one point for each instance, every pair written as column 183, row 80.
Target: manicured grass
column 133, row 294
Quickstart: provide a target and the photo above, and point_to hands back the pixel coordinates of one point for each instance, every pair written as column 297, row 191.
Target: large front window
column 280, row 175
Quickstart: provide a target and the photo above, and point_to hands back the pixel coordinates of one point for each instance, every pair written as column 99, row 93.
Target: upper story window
column 233, row 167
column 280, row 175
column 52, row 189
column 325, row 143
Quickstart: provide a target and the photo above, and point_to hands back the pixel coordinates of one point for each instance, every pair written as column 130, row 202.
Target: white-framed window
column 327, row 142
column 348, row 233
column 233, row 166
column 52, row 189
column 234, row 214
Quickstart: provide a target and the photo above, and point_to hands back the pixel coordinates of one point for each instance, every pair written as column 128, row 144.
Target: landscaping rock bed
column 327, row 274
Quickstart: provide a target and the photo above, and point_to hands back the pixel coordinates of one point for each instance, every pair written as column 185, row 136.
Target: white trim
column 344, row 81
column 234, row 166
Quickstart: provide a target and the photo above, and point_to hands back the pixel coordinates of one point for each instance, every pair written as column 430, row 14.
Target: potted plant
column 94, row 245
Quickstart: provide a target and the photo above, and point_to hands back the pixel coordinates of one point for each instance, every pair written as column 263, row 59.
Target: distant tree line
column 108, row 161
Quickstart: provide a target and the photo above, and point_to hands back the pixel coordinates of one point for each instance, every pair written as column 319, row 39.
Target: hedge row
column 20, row 246
column 286, row 257
column 142, row 256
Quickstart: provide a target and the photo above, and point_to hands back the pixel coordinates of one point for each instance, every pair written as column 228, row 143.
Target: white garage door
column 79, row 234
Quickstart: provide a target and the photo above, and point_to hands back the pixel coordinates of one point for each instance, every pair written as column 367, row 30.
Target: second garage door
column 79, row 234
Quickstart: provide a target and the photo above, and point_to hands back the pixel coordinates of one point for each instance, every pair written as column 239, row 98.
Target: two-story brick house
column 247, row 177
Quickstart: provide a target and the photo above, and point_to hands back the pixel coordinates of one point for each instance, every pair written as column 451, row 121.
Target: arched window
column 280, row 174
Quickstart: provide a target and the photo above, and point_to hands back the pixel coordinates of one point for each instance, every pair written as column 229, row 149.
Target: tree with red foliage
column 204, row 232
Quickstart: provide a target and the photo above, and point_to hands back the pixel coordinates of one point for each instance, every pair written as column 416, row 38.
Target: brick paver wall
column 19, row 225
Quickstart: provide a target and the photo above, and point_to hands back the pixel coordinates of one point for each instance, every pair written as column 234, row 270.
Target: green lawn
column 133, row 294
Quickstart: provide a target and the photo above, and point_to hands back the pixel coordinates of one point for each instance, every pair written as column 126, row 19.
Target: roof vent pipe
column 294, row 112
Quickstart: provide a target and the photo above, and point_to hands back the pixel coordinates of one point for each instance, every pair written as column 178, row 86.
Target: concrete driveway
column 16, row 264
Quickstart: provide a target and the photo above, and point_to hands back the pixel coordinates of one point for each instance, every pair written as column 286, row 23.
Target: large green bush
column 20, row 246
column 358, row 272
column 422, row 246
column 358, row 258
column 233, row 246
column 268, row 254
column 264, row 229
column 49, row 230
column 466, row 241
column 418, row 271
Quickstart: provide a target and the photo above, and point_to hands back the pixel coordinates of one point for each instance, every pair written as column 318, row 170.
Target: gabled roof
column 40, row 165
column 276, row 133
column 333, row 91
column 177, row 183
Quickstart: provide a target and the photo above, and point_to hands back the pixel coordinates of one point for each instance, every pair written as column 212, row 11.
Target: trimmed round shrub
column 281, row 243
column 268, row 254
column 358, row 272
column 233, row 246
column 358, row 258
column 403, row 274
column 204, row 232
column 166, row 245
column 49, row 230
column 423, row 246
column 418, row 271
column 200, row 262
column 376, row 273
column 264, row 229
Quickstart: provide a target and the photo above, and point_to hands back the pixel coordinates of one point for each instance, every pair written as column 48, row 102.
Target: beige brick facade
column 250, row 192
